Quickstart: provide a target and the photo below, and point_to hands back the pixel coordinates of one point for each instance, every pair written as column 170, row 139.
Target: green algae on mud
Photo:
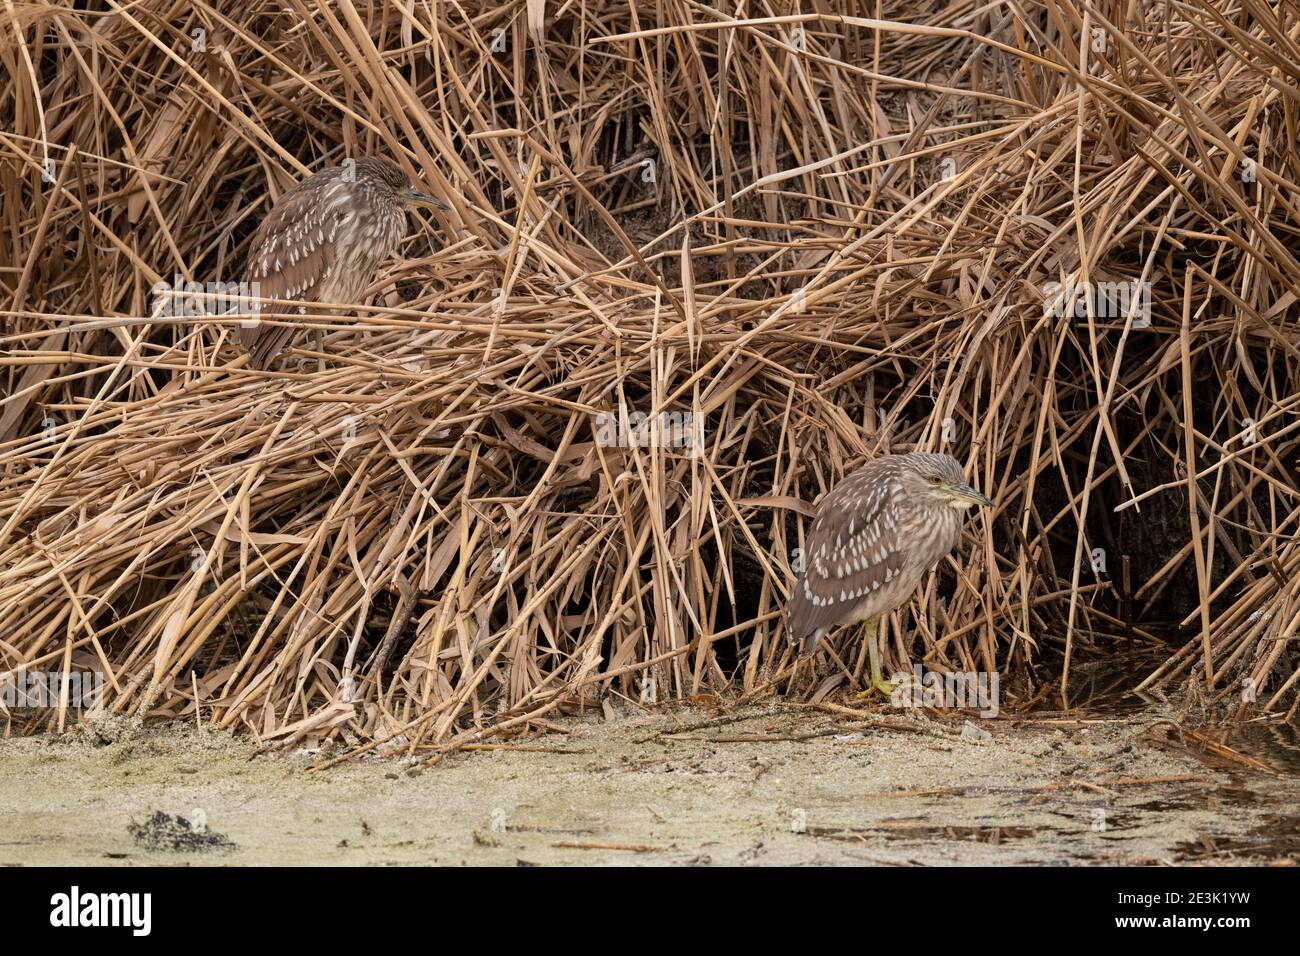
column 776, row 786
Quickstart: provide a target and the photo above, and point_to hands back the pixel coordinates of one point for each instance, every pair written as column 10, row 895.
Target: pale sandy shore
column 778, row 786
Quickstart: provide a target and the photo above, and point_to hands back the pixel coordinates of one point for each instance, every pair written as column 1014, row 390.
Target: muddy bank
column 772, row 785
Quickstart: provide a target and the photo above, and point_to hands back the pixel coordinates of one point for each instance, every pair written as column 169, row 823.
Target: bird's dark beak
column 967, row 493
column 421, row 199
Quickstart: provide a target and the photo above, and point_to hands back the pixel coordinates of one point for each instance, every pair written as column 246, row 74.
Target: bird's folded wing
column 290, row 254
column 854, row 550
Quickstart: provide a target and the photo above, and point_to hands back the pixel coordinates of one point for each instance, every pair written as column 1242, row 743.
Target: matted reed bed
column 827, row 230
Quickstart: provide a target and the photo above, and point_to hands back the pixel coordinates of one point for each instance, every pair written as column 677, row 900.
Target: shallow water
column 1276, row 744
column 1103, row 689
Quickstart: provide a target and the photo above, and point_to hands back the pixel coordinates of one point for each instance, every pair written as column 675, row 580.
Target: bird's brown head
column 382, row 173
column 937, row 480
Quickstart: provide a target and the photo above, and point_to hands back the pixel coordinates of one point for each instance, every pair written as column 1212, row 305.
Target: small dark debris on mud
column 162, row 831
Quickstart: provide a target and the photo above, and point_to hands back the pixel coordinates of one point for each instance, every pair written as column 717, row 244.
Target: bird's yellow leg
column 319, row 341
column 878, row 683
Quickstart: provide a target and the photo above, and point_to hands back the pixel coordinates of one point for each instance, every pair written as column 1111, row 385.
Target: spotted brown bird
column 875, row 535
column 323, row 241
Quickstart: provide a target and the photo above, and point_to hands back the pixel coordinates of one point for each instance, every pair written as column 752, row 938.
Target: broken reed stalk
column 827, row 234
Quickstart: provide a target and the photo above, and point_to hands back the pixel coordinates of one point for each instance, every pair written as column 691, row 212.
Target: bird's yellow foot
column 885, row 687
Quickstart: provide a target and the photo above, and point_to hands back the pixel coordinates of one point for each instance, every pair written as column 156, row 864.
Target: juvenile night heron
column 324, row 239
column 875, row 535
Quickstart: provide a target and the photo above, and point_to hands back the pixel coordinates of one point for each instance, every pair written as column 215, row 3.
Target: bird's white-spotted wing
column 289, row 257
column 854, row 551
